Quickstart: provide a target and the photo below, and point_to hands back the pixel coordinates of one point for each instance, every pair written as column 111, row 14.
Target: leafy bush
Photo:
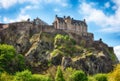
column 115, row 75
column 91, row 78
column 79, row 76
column 23, row 76
column 63, row 39
column 7, row 54
column 20, row 63
column 26, row 75
column 101, row 77
column 6, row 77
column 9, row 60
column 67, row 73
column 37, row 77
column 59, row 75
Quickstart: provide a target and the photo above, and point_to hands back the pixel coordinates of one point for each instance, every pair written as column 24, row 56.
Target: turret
column 56, row 16
column 84, row 20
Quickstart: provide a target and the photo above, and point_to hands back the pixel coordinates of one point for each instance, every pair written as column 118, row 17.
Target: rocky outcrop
column 36, row 43
column 94, row 64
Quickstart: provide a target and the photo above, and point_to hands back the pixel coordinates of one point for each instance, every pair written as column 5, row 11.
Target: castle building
column 70, row 24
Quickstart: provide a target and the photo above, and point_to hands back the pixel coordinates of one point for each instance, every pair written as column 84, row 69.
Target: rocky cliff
column 43, row 47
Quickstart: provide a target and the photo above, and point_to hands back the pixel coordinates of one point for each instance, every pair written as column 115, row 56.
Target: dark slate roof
column 60, row 19
column 79, row 22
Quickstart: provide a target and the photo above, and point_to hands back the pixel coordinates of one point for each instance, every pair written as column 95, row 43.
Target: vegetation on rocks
column 75, row 61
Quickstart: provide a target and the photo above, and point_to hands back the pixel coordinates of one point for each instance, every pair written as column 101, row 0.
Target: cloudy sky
column 102, row 16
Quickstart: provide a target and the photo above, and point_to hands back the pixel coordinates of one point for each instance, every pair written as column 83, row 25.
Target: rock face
column 36, row 42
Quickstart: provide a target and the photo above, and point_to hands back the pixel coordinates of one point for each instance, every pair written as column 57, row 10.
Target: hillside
column 43, row 47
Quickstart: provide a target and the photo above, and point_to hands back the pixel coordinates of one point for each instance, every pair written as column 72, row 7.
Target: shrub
column 9, row 60
column 37, row 77
column 79, row 76
column 23, row 76
column 20, row 63
column 101, row 77
column 28, row 76
column 115, row 75
column 67, row 73
column 63, row 39
column 7, row 54
column 59, row 75
column 6, row 77
column 90, row 78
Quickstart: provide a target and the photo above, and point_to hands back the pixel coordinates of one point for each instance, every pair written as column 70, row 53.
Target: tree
column 10, row 61
column 67, row 73
column 115, row 75
column 59, row 75
column 7, row 54
column 79, row 76
column 6, row 77
column 101, row 77
column 26, row 75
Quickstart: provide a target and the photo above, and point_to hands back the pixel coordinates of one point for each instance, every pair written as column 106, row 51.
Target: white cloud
column 117, row 51
column 6, row 4
column 63, row 3
column 28, row 7
column 109, row 23
column 22, row 16
column 117, row 2
column 107, row 5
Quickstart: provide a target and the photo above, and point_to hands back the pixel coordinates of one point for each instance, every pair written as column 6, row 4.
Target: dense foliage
column 79, row 76
column 59, row 75
column 10, row 61
column 65, row 45
column 28, row 76
column 13, row 68
column 115, row 75
column 101, row 77
column 25, row 75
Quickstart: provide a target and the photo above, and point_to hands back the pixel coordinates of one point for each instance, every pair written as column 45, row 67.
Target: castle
column 68, row 23
column 77, row 30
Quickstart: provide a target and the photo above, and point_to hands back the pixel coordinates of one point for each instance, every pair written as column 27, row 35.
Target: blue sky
column 102, row 16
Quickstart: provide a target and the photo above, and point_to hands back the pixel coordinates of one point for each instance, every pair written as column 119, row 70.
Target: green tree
column 7, row 54
column 59, row 75
column 6, row 77
column 67, row 73
column 9, row 60
column 79, row 76
column 19, row 63
column 101, row 77
column 115, row 74
column 26, row 75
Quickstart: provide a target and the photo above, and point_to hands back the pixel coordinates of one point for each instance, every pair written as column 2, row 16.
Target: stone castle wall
column 68, row 23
